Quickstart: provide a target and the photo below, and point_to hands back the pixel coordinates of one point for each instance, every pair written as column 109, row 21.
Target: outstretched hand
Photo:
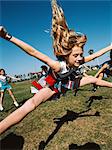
column 4, row 34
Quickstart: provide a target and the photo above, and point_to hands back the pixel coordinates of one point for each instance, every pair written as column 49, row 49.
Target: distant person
column 68, row 48
column 106, row 69
column 44, row 70
column 41, row 75
column 4, row 85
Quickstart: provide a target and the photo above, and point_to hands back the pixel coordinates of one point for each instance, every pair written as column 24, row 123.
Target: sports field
column 81, row 122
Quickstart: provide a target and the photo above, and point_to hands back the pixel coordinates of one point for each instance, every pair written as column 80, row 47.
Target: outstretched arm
column 55, row 65
column 98, row 54
column 101, row 70
column 13, row 77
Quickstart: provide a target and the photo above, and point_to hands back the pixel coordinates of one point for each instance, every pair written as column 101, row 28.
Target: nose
column 80, row 57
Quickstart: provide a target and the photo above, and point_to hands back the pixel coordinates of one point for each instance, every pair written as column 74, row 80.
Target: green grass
column 70, row 129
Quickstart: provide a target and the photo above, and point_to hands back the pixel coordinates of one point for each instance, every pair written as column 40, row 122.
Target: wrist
column 8, row 36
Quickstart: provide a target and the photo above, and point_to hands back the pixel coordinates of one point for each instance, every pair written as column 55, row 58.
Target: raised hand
column 4, row 34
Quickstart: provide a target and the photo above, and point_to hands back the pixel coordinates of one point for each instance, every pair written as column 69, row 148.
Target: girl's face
column 2, row 72
column 76, row 57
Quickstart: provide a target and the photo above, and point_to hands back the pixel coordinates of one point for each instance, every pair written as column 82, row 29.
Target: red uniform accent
column 37, row 85
column 50, row 80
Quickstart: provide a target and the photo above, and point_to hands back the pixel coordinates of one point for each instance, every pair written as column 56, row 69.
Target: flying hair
column 64, row 39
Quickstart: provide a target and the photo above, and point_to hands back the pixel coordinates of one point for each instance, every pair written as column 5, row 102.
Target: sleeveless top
column 3, row 80
column 67, row 78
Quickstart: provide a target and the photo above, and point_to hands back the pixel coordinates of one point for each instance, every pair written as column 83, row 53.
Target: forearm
column 35, row 53
column 98, row 54
column 24, row 46
column 97, row 74
column 101, row 70
column 12, row 77
column 28, row 49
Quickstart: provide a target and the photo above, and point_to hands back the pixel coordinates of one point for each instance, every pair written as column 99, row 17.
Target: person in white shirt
column 4, row 85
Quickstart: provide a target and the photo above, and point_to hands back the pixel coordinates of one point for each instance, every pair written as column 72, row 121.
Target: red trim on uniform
column 37, row 85
column 50, row 80
column 55, row 89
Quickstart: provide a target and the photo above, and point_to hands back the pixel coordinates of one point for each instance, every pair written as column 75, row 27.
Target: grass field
column 81, row 122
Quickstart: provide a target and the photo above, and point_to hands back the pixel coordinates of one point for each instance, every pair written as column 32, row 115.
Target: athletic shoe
column 1, row 108
column 94, row 89
column 16, row 104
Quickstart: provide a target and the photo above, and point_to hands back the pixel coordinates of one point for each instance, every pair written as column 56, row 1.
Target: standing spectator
column 4, row 85
column 40, row 80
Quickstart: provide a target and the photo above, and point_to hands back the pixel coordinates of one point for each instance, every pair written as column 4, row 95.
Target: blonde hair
column 64, row 39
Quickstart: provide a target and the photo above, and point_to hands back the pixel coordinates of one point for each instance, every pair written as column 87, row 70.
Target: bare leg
column 99, row 76
column 27, row 107
column 93, row 80
column 1, row 100
column 13, row 98
column 11, row 94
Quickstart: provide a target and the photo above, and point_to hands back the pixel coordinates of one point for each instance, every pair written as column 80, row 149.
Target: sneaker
column 94, row 89
column 1, row 108
column 16, row 104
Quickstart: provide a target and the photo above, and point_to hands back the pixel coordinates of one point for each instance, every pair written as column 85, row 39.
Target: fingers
column 3, row 32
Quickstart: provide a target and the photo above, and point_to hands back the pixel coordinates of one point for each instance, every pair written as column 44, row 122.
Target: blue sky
column 28, row 20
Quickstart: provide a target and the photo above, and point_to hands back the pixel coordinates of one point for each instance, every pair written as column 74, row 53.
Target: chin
column 77, row 65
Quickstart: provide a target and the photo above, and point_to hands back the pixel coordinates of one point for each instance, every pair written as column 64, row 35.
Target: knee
column 10, row 94
column 29, row 105
column 93, row 80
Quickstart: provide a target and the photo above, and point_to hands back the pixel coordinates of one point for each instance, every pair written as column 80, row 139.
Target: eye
column 75, row 55
column 81, row 55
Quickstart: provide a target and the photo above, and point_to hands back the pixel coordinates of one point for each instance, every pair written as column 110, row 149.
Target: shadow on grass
column 69, row 116
column 92, row 98
column 87, row 146
column 12, row 142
